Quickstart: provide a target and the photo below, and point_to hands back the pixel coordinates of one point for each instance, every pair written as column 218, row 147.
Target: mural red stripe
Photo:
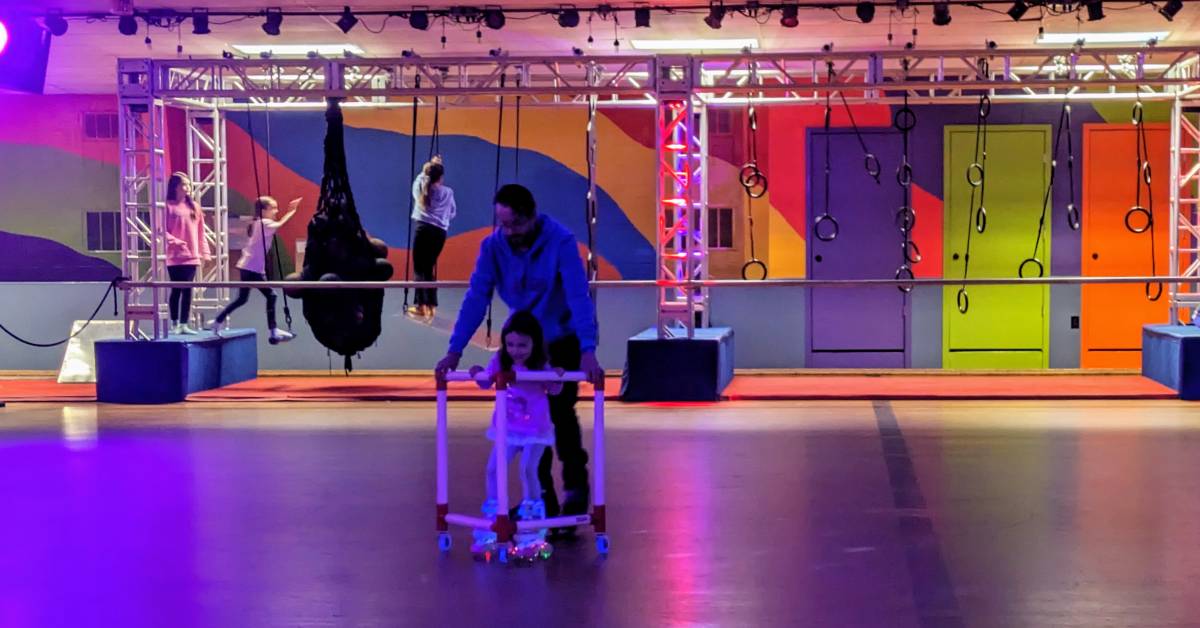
column 57, row 122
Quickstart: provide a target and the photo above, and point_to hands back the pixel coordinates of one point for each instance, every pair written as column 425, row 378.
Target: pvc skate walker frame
column 504, row 528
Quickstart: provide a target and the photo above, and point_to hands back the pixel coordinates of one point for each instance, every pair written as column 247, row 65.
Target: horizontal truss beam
column 1152, row 71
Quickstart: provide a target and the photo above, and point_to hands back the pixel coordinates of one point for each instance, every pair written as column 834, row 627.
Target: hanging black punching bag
column 338, row 249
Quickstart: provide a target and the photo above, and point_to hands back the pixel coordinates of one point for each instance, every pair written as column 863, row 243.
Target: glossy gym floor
column 912, row 513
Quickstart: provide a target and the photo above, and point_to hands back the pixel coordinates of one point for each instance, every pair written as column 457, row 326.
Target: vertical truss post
column 142, row 127
column 682, row 247
column 208, row 170
column 1184, row 233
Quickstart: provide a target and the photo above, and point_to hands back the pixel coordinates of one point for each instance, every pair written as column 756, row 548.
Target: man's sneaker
column 215, row 326
column 187, row 331
column 278, row 336
column 576, row 502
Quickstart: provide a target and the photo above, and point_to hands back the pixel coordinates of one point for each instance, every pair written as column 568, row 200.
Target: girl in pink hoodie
column 186, row 247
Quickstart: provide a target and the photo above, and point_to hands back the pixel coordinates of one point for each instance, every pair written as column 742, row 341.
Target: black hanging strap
column 1033, row 263
column 258, row 193
column 753, row 180
column 1153, row 290
column 977, row 179
column 905, row 120
column 826, row 227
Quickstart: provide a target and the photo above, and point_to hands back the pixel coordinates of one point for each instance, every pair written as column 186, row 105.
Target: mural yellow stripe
column 786, row 247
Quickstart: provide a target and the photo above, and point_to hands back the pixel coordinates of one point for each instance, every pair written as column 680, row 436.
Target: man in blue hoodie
column 533, row 262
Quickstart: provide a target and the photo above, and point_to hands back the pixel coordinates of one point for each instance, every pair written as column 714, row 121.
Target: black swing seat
column 348, row 320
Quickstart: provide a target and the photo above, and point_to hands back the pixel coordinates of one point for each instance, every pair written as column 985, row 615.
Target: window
column 102, row 231
column 100, row 126
column 720, row 121
column 720, row 227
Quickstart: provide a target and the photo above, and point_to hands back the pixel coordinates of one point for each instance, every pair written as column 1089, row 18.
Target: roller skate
column 485, row 545
column 531, row 545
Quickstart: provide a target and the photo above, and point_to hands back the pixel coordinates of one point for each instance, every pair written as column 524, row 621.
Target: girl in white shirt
column 253, row 264
column 433, row 209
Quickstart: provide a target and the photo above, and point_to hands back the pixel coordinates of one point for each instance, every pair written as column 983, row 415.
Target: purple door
column 855, row 327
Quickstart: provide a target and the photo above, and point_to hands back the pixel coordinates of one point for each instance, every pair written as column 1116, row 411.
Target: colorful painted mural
column 61, row 188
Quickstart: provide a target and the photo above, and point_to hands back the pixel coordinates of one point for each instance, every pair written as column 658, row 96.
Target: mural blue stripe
column 379, row 170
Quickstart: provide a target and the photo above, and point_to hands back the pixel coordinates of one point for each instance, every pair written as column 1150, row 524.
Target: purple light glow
column 3, row 37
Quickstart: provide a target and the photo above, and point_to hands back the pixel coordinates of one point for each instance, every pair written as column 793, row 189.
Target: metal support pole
column 208, row 170
column 142, row 128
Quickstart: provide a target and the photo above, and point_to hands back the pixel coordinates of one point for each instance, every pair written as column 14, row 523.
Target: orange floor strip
column 744, row 387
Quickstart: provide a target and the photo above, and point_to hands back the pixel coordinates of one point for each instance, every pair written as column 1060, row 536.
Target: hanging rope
column 1064, row 127
column 287, row 310
column 112, row 288
column 517, row 150
column 412, row 176
column 590, row 201
column 1143, row 177
column 830, row 233
column 496, row 188
column 905, row 120
column 435, row 139
column 977, row 179
column 753, row 179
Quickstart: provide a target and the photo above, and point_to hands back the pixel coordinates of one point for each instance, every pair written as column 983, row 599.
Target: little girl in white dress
column 530, row 430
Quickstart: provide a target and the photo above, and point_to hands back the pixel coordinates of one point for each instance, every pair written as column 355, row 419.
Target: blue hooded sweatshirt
column 548, row 280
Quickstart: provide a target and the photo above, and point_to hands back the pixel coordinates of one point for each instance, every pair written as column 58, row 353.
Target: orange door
column 1112, row 315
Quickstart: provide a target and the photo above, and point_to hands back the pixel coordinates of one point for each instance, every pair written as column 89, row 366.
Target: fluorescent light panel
column 297, row 50
column 1088, row 67
column 693, row 44
column 1103, row 38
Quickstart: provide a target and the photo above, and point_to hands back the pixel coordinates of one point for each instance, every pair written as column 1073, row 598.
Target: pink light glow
column 3, row 37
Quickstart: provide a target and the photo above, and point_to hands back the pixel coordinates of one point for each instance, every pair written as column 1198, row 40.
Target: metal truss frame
column 142, row 129
column 1184, row 229
column 682, row 199
column 680, row 88
column 208, row 170
column 930, row 75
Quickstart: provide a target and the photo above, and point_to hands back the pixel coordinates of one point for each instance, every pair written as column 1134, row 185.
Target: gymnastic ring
column 754, row 262
column 756, row 186
column 902, row 273
column 1138, row 114
column 904, row 175
column 747, row 172
column 1073, row 217
column 975, row 181
column 985, row 106
column 905, row 119
column 1138, row 210
column 912, row 253
column 1041, row 270
column 1146, row 172
column 826, row 237
column 963, row 301
column 981, row 219
column 871, row 162
column 1157, row 294
column 905, row 218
